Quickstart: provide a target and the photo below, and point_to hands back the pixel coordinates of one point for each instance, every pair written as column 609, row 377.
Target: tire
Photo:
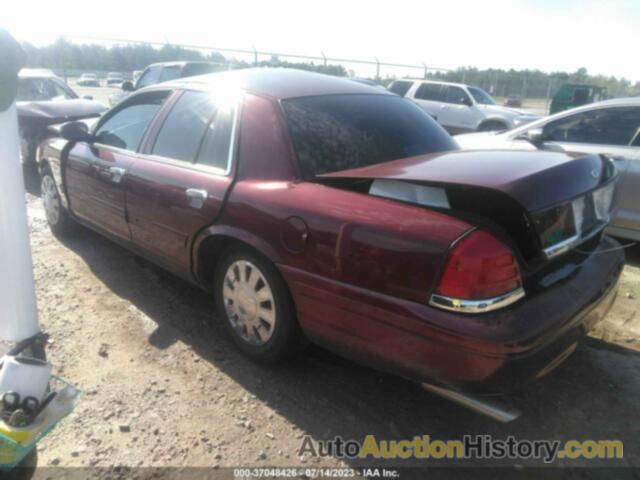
column 58, row 218
column 255, row 306
column 492, row 126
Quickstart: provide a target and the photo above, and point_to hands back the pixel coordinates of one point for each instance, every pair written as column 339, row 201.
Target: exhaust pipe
column 492, row 408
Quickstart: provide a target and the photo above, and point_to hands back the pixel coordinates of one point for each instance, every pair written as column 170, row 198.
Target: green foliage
column 534, row 83
column 123, row 58
column 119, row 58
column 527, row 83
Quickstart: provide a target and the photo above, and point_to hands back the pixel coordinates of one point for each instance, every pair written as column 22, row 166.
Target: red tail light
column 480, row 267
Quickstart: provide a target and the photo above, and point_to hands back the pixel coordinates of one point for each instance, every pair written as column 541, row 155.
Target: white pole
column 18, row 309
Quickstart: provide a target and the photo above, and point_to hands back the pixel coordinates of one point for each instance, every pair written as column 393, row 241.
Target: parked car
column 163, row 72
column 513, row 101
column 316, row 208
column 460, row 108
column 114, row 79
column 571, row 95
column 611, row 127
column 88, row 80
column 42, row 100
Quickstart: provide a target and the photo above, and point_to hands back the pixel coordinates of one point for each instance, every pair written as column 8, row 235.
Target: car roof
column 614, row 102
column 179, row 64
column 623, row 102
column 279, row 83
column 426, row 80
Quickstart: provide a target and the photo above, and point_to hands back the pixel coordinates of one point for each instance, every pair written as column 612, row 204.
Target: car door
column 95, row 173
column 178, row 186
column 611, row 130
column 456, row 110
column 429, row 97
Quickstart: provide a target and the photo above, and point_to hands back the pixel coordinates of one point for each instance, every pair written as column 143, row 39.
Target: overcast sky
column 600, row 35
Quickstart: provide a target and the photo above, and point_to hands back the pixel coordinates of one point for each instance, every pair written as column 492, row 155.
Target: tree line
column 527, row 83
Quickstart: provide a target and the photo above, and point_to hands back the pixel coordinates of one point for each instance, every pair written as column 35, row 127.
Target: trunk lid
column 539, row 200
column 536, row 180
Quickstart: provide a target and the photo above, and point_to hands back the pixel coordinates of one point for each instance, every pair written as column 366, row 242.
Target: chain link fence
column 531, row 90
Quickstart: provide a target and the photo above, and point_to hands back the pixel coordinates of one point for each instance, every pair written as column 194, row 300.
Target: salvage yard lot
column 164, row 386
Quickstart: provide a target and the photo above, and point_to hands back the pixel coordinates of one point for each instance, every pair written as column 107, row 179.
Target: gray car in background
column 611, row 127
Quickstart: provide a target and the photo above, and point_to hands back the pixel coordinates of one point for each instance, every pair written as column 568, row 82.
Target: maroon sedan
column 318, row 208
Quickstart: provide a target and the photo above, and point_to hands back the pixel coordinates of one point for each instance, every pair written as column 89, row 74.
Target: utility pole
column 18, row 309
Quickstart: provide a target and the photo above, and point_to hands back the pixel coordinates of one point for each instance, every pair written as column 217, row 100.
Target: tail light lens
column 480, row 271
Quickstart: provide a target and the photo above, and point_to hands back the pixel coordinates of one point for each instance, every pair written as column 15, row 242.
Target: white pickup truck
column 460, row 108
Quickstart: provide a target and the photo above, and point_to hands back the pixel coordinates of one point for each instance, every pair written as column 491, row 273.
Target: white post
column 18, row 309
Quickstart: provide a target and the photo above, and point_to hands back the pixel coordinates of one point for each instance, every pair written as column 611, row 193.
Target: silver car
column 611, row 127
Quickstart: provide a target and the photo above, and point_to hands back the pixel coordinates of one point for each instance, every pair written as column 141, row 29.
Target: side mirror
column 535, row 136
column 467, row 101
column 127, row 86
column 76, row 132
column 88, row 97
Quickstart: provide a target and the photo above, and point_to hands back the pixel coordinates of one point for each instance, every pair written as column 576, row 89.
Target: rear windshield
column 340, row 132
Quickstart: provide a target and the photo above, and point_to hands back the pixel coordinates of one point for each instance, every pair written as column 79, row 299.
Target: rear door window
column 400, row 87
column 196, row 130
column 184, row 127
column 456, row 95
column 216, row 145
column 430, row 91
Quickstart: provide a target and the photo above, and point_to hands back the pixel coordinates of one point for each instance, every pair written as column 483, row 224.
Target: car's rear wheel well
column 211, row 251
column 43, row 166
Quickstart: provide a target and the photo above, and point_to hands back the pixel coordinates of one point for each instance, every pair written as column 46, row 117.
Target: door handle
column 117, row 173
column 446, row 107
column 196, row 196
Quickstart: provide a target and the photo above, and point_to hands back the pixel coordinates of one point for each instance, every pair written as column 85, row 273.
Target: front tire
column 256, row 308
column 57, row 216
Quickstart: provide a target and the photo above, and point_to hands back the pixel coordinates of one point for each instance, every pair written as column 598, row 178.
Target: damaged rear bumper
column 492, row 352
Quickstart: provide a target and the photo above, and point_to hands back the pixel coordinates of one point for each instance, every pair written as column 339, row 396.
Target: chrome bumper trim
column 476, row 306
column 571, row 242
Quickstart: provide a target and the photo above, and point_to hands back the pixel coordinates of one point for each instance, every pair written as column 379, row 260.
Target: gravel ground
column 163, row 386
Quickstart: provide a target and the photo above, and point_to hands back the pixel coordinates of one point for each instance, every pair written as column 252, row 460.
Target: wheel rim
column 50, row 199
column 249, row 302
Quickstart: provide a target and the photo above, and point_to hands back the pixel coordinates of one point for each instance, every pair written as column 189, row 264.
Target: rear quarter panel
column 349, row 237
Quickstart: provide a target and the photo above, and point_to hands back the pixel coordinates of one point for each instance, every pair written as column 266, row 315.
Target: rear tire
column 58, row 218
column 255, row 307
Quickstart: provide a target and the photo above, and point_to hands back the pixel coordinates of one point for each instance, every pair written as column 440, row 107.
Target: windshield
column 480, row 96
column 339, row 132
column 42, row 89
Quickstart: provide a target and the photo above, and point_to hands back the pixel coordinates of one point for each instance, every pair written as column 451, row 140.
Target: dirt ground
column 164, row 386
